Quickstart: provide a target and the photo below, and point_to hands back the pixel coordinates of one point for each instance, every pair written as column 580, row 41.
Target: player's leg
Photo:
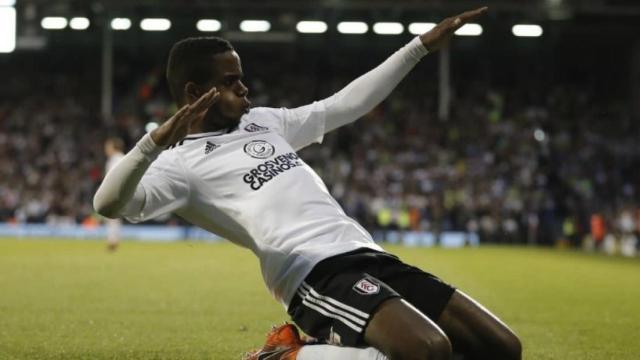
column 285, row 343
column 476, row 331
column 333, row 352
column 396, row 331
column 472, row 330
column 402, row 332
column 349, row 307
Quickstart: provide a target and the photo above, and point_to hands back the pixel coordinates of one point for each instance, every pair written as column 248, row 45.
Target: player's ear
column 192, row 92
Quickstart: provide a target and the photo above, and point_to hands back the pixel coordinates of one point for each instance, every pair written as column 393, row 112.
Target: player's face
column 232, row 102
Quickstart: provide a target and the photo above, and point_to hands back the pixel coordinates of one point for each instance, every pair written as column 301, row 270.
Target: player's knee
column 438, row 348
column 431, row 347
column 507, row 347
column 513, row 347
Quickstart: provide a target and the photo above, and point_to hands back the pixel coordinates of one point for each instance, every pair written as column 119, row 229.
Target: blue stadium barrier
column 447, row 239
column 163, row 233
column 156, row 233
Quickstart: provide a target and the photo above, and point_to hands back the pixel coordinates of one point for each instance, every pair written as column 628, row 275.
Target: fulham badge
column 366, row 287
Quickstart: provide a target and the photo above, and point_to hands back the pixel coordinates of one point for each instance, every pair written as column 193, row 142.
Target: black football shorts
column 339, row 297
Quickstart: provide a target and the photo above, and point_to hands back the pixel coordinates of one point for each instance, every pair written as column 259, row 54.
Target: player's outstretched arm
column 367, row 91
column 120, row 188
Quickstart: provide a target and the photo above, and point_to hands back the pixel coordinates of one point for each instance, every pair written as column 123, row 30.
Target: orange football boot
column 283, row 343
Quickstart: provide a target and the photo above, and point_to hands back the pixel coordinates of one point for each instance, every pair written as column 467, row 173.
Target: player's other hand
column 439, row 36
column 177, row 127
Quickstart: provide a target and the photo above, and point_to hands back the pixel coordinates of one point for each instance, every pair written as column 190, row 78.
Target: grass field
column 72, row 300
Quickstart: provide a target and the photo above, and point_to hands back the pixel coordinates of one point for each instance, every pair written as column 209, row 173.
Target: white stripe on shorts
column 348, row 315
column 308, row 297
column 357, row 328
column 335, row 302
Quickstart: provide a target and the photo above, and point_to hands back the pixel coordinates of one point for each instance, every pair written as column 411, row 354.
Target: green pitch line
column 73, row 300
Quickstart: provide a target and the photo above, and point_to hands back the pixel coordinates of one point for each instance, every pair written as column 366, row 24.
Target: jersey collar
column 213, row 133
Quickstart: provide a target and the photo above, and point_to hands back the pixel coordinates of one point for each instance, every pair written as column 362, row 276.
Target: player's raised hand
column 439, row 36
column 177, row 127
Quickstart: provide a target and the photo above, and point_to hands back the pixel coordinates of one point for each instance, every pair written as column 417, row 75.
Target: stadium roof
column 585, row 17
column 550, row 7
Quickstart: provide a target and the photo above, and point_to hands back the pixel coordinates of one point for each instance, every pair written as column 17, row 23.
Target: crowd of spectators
column 557, row 169
column 49, row 161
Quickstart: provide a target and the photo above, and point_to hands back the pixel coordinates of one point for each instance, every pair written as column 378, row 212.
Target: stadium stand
column 510, row 169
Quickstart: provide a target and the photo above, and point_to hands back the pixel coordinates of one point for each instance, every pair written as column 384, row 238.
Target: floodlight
column 120, row 24
column 53, row 23
column 353, row 27
column 388, row 28
column 419, row 28
column 79, row 23
column 208, row 25
column 155, row 24
column 527, row 30
column 311, row 27
column 255, row 25
column 470, row 30
column 7, row 29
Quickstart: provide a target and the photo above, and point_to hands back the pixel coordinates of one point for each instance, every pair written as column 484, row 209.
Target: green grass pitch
column 73, row 300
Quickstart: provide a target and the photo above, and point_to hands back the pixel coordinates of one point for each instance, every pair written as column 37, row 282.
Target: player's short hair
column 190, row 60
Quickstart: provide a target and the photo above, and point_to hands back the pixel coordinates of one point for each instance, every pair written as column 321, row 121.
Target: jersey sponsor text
column 270, row 169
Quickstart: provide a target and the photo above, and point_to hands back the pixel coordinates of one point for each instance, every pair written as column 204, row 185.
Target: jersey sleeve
column 306, row 124
column 164, row 187
column 300, row 127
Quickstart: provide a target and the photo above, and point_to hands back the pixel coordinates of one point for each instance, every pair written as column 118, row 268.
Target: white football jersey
column 248, row 185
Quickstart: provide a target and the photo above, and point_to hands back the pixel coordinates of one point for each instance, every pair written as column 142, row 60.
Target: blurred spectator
column 114, row 151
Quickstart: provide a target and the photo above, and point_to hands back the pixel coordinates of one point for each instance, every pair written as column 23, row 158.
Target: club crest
column 366, row 287
column 259, row 149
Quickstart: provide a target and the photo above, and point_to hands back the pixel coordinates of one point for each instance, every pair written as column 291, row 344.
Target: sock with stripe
column 332, row 352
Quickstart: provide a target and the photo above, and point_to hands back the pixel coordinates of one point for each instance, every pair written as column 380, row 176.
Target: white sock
column 332, row 352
